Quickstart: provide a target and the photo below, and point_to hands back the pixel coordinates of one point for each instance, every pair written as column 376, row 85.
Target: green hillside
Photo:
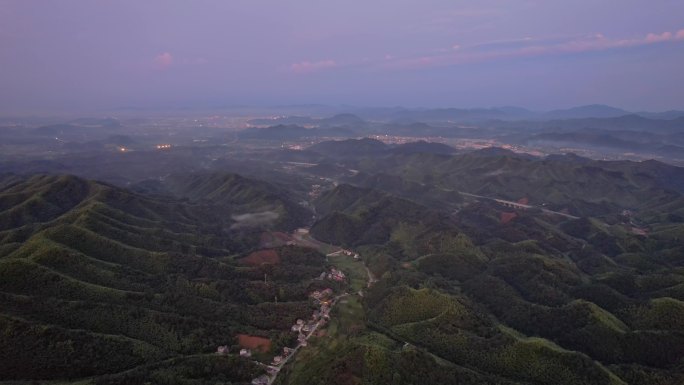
column 582, row 188
column 241, row 194
column 107, row 285
column 533, row 299
column 110, row 286
column 363, row 216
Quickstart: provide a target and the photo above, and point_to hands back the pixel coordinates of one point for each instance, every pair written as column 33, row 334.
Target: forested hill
column 490, row 294
column 100, row 282
column 234, row 193
column 580, row 186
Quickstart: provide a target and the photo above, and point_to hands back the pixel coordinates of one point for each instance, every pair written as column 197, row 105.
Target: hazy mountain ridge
column 512, row 176
column 427, row 115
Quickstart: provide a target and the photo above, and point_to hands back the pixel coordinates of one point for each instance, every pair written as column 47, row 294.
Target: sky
column 538, row 54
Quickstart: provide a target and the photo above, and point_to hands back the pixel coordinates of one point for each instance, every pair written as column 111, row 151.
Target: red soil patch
column 255, row 343
column 507, row 217
column 257, row 258
column 524, row 201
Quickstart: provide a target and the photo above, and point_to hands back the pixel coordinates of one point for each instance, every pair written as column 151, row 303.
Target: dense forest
column 121, row 287
column 524, row 295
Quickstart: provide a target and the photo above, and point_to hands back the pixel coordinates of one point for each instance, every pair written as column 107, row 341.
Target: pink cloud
column 654, row 38
column 495, row 51
column 308, row 66
column 529, row 47
column 163, row 61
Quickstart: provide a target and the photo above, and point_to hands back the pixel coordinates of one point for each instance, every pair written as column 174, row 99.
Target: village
column 323, row 300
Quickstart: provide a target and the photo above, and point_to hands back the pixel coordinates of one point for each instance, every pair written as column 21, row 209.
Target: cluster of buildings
column 324, row 300
column 346, row 252
column 336, row 275
column 224, row 350
column 350, row 253
column 321, row 295
column 280, row 359
column 333, row 275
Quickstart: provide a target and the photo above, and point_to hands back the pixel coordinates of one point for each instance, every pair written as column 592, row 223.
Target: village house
column 287, row 351
column 245, row 353
column 222, row 350
column 277, row 360
column 350, row 253
column 336, row 275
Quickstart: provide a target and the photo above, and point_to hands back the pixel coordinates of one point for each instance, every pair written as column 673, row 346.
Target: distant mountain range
column 373, row 147
column 517, row 114
column 352, row 115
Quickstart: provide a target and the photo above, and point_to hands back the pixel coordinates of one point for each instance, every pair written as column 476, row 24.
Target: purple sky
column 540, row 54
